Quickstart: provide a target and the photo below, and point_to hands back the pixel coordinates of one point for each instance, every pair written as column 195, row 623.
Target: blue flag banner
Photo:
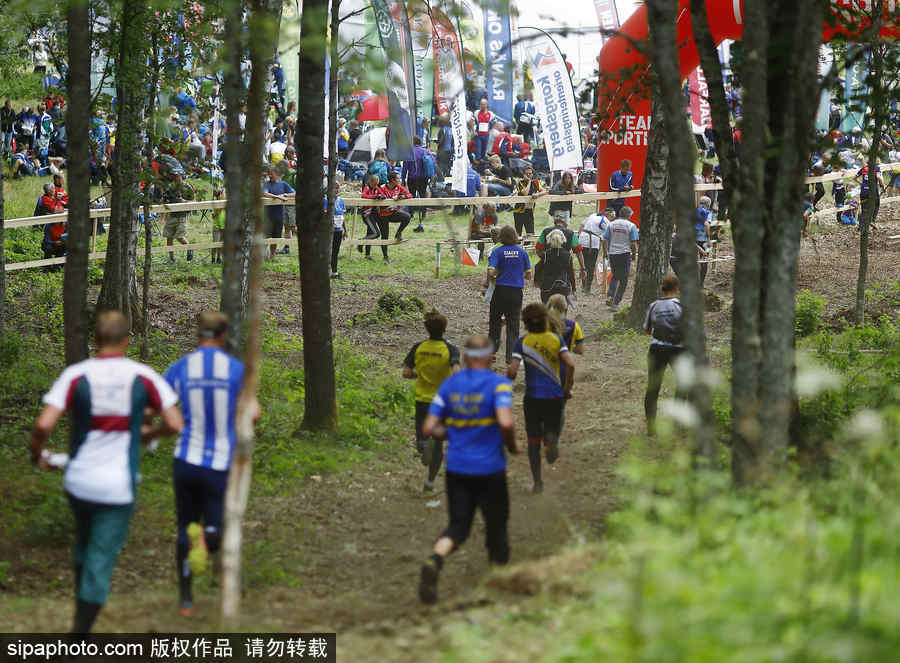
column 393, row 30
column 498, row 64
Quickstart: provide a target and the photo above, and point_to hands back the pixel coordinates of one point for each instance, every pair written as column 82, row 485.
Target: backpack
column 428, row 165
column 667, row 324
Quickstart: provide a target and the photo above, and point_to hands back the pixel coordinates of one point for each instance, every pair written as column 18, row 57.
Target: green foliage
column 808, row 313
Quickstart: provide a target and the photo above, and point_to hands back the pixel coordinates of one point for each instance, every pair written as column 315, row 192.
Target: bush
column 808, row 313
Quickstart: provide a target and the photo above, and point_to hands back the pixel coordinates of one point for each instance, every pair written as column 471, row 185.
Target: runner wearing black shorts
column 547, row 386
column 473, row 410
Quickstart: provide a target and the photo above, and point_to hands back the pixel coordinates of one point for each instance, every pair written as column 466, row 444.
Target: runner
column 509, row 268
column 571, row 334
column 105, row 398
column 663, row 323
column 429, row 363
column 473, row 410
column 207, row 382
column 546, row 386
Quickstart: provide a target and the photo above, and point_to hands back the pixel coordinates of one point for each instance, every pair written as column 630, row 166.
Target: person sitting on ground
column 663, row 323
column 555, row 246
column 278, row 189
column 49, row 202
column 546, row 385
column 473, row 411
column 59, row 186
column 393, row 190
column 22, row 164
column 54, row 241
column 482, row 221
column 374, row 227
column 429, row 363
column 498, row 177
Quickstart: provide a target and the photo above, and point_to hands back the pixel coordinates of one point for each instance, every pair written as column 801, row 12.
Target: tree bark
column 661, row 15
column 261, row 33
column 145, row 198
column 314, row 226
column 237, row 235
column 656, row 218
column 78, row 84
column 2, row 257
column 119, row 289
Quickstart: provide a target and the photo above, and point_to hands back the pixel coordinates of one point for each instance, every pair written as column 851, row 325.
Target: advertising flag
column 498, row 66
column 393, row 30
column 554, row 100
column 698, row 89
column 607, row 14
column 289, row 48
column 855, row 92
column 450, row 93
column 423, row 56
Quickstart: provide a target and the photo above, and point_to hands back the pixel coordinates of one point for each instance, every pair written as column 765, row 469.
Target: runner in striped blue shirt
column 207, row 381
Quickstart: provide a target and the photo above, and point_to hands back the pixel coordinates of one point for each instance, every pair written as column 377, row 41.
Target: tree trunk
column 661, row 16
column 880, row 107
column 119, row 289
column 236, row 249
column 261, row 33
column 2, row 257
column 148, row 234
column 78, row 84
column 656, row 218
column 313, row 224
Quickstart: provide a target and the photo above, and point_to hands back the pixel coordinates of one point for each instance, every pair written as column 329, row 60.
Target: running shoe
column 428, row 583
column 419, row 229
column 429, row 486
column 198, row 555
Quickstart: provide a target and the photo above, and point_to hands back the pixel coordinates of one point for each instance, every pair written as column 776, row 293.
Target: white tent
column 366, row 145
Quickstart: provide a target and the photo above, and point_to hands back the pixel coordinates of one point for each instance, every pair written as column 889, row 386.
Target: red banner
column 447, row 74
column 698, row 89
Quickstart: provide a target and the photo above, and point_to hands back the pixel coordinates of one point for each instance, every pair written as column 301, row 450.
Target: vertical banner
column 450, row 93
column 498, row 70
column 607, row 15
column 855, row 91
column 471, row 41
column 826, row 62
column 423, row 56
column 289, row 48
column 698, row 89
column 554, row 100
column 393, row 30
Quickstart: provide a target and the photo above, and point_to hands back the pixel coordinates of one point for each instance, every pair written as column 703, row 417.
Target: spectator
column 591, row 237
column 444, row 145
column 53, row 244
column 523, row 213
column 620, row 180
column 376, row 229
column 482, row 221
column 379, row 166
column 865, row 185
column 499, row 177
column 339, row 231
column 354, row 131
column 25, row 124
column 218, row 228
column 414, row 177
column 565, row 187
column 41, row 59
column 620, row 242
column 393, row 190
column 175, row 226
column 183, row 102
column 276, row 188
column 7, row 120
column 525, row 118
column 22, row 164
column 483, row 117
column 42, row 133
column 702, row 219
column 59, row 185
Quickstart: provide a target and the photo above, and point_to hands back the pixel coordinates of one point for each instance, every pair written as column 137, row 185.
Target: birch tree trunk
column 656, row 218
column 119, row 289
column 2, row 257
column 261, row 33
column 75, row 314
column 313, row 225
column 661, row 16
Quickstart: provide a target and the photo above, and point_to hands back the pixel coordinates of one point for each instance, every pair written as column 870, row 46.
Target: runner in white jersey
column 106, row 399
column 208, row 382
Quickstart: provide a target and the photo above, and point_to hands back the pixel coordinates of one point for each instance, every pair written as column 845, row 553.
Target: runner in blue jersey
column 207, row 381
column 473, row 411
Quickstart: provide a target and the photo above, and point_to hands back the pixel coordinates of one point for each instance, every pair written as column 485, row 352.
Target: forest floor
column 346, row 545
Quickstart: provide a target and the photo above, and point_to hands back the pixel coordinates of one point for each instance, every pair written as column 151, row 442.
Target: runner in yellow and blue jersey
column 429, row 363
column 473, row 410
column 547, row 386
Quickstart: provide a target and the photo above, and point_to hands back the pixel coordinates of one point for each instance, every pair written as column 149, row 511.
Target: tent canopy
column 366, row 145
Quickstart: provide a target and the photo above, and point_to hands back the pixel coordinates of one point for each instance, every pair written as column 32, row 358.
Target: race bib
column 483, row 127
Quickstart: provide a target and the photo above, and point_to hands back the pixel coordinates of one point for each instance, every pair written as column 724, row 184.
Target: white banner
column 554, row 100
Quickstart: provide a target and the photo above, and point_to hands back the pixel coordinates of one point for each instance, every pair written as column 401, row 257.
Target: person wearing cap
column 107, row 399
column 472, row 410
column 207, row 382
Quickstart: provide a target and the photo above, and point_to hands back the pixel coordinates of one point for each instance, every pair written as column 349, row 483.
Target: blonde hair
column 557, row 306
column 556, row 239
